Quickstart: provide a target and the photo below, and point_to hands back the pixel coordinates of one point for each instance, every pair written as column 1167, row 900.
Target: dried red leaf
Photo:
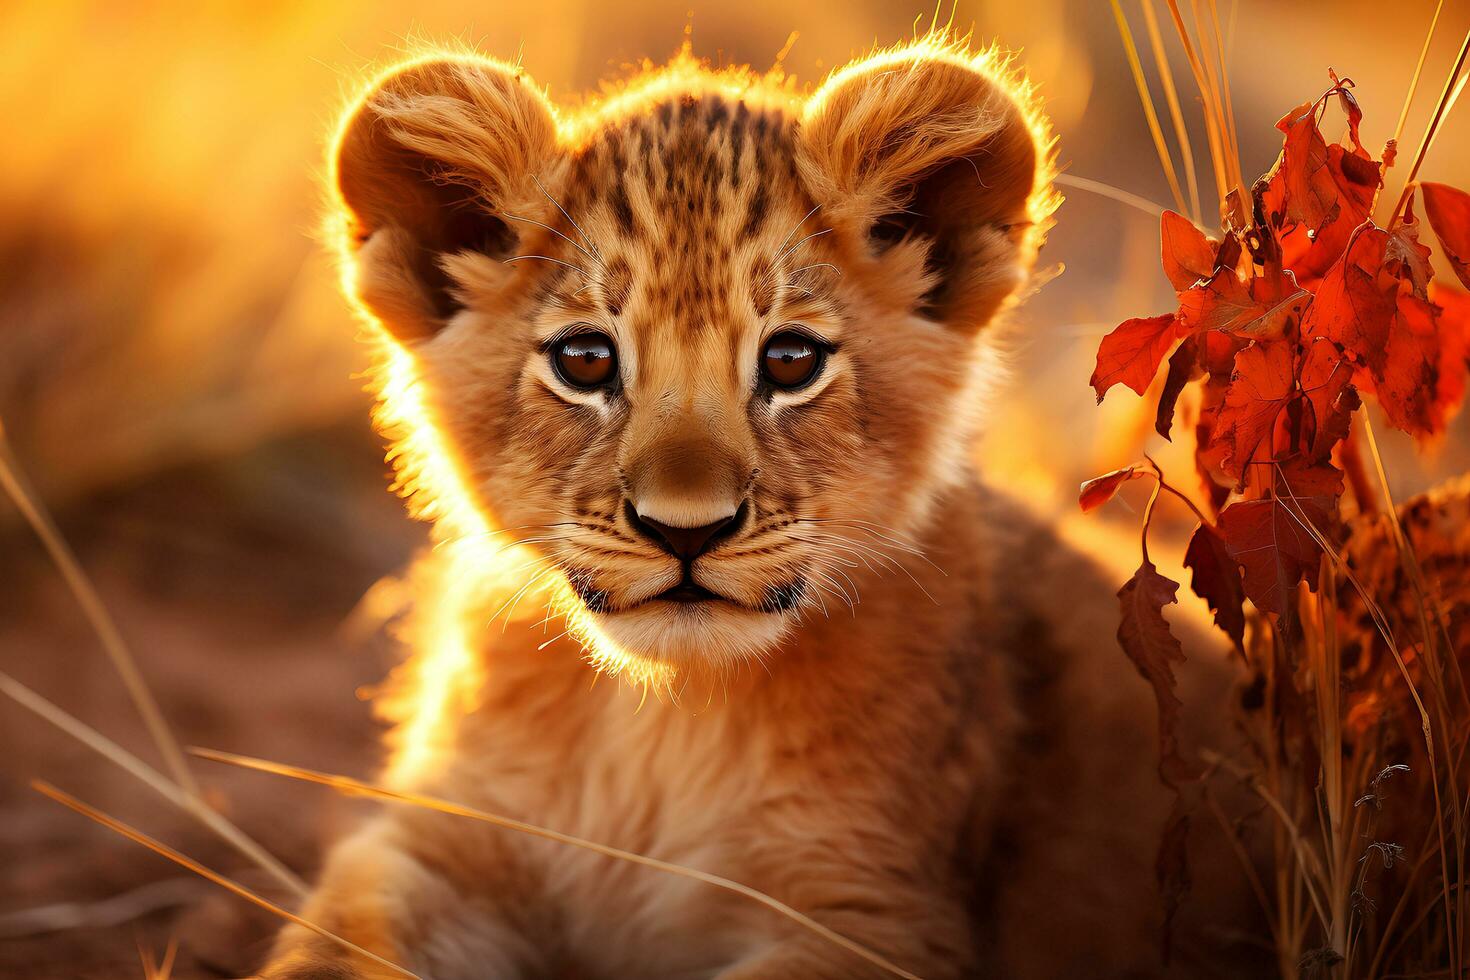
column 1404, row 257
column 1422, row 380
column 1217, row 355
column 1310, row 255
column 1266, row 307
column 1188, row 255
column 1273, row 548
column 1325, row 372
column 1145, row 636
column 1217, row 581
column 1350, row 108
column 1312, row 480
column 1449, row 214
column 1454, row 344
column 1334, row 429
column 1312, row 182
column 1130, row 355
column 1352, row 307
column 1183, row 365
column 1099, row 490
column 1264, row 381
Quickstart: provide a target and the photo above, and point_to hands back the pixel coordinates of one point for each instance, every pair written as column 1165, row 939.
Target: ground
column 222, row 576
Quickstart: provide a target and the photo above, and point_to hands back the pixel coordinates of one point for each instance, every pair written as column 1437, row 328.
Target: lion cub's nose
column 685, row 543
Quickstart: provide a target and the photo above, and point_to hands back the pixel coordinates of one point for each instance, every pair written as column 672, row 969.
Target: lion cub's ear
column 934, row 163
column 426, row 164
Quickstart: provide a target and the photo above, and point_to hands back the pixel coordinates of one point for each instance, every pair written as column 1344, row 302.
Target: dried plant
column 1350, row 616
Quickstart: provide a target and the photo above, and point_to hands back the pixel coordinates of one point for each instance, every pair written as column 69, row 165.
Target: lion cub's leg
column 919, row 932
column 394, row 890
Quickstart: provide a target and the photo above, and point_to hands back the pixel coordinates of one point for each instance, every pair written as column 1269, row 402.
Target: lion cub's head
column 710, row 346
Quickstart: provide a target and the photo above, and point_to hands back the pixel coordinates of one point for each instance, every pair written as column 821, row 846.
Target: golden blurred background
column 177, row 372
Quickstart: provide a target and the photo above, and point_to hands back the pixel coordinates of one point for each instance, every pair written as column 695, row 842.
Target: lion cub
column 706, row 357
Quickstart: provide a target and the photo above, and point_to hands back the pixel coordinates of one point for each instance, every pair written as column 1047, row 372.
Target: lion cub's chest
column 706, row 787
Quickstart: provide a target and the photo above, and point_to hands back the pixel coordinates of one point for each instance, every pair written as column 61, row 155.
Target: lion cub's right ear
column 427, row 165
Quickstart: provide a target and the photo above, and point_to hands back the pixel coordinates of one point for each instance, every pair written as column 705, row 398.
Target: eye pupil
column 791, row 360
column 586, row 360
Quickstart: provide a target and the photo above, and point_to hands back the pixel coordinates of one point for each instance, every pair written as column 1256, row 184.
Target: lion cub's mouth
column 688, row 591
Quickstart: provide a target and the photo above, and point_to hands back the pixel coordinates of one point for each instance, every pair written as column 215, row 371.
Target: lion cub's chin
column 692, row 634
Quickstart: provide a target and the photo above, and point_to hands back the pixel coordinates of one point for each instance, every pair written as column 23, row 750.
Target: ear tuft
column 932, row 146
column 425, row 165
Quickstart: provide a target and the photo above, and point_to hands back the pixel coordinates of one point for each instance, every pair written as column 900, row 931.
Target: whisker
column 558, row 234
column 900, row 566
column 546, row 258
column 799, row 244
column 781, row 249
column 815, row 265
column 570, row 220
column 508, row 607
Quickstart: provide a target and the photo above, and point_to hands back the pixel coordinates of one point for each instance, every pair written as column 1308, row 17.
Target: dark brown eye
column 791, row 361
column 587, row 360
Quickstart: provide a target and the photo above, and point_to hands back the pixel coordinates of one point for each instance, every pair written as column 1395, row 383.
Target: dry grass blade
column 1398, row 131
column 151, row 777
column 1112, row 193
column 162, row 849
column 96, row 613
column 1429, row 133
column 1176, row 113
column 1425, row 724
column 1223, row 97
column 1428, row 609
column 1147, row 99
column 159, row 970
column 1213, row 128
column 1307, row 859
column 346, row 784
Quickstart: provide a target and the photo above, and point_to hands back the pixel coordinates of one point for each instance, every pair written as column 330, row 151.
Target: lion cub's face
column 711, row 349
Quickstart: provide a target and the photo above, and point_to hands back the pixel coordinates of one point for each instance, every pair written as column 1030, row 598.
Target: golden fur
column 908, row 719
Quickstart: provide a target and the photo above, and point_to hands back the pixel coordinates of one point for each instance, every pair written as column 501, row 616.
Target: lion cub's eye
column 586, row 360
column 791, row 360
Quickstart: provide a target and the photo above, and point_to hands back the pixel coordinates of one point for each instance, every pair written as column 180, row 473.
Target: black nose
column 684, row 543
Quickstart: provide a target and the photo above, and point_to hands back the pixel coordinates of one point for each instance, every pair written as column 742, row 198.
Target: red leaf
column 1187, row 254
column 1183, row 365
column 1454, row 345
column 1309, row 257
column 1099, row 490
column 1406, row 384
column 1264, row 308
column 1303, row 479
column 1352, row 308
column 1144, row 635
column 1350, row 108
column 1449, row 214
column 1130, row 355
column 1222, row 303
column 1312, row 182
column 1217, row 581
column 1264, row 381
column 1423, row 377
column 1275, row 550
column 1339, row 420
column 1325, row 373
column 1405, row 258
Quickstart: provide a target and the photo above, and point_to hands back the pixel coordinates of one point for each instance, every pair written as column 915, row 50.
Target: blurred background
column 178, row 374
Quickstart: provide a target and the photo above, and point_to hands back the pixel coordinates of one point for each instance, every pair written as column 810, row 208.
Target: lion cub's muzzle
column 686, row 544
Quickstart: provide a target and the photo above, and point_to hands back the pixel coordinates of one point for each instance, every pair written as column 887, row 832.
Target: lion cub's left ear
column 933, row 163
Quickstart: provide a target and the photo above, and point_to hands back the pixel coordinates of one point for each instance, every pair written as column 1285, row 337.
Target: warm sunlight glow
column 477, row 566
